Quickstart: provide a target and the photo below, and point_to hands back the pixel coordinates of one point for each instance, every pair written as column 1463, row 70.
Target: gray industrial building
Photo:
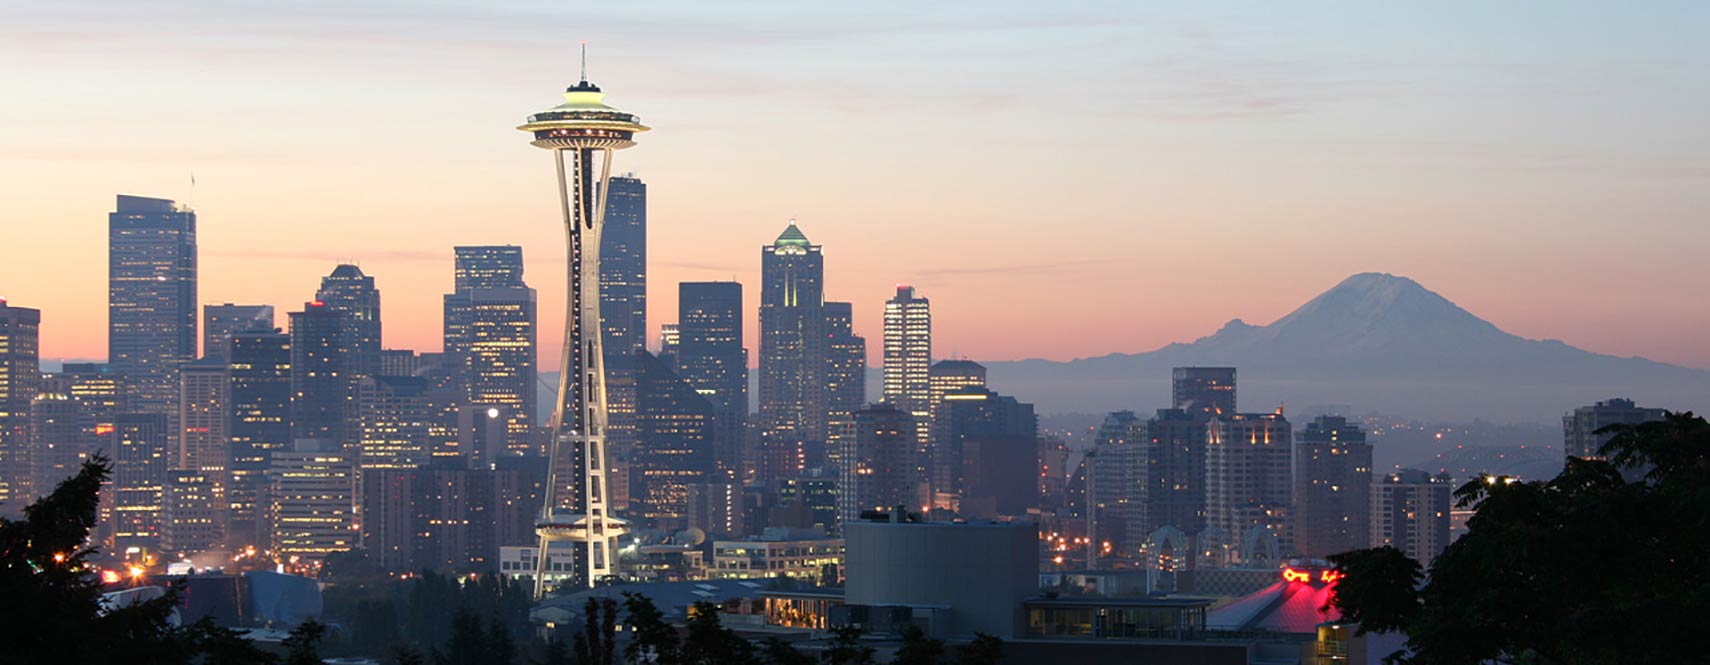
column 964, row 578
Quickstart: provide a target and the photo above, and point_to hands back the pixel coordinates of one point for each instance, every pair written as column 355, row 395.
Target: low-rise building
column 790, row 553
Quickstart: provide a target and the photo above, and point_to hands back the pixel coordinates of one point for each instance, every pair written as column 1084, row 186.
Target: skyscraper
column 710, row 358
column 490, row 324
column 352, row 294
column 947, row 376
column 1116, row 482
column 151, row 298
column 1204, row 391
column 1579, row 427
column 20, row 381
column 623, row 266
column 674, row 444
column 989, row 453
column 220, row 322
column 140, row 462
column 879, row 472
column 1332, row 488
column 1410, row 512
column 394, row 413
column 587, row 131
column 58, row 444
column 845, row 364
column 1248, row 484
column 260, row 425
column 193, row 512
column 204, row 432
column 908, row 353
column 310, row 498
column 322, row 374
column 792, row 355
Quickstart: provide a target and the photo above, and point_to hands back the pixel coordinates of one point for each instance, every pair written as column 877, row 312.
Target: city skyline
column 1487, row 170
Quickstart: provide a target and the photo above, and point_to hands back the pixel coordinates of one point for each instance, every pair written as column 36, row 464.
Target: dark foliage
column 778, row 652
column 846, row 648
column 984, row 650
column 1589, row 567
column 918, row 649
column 652, row 640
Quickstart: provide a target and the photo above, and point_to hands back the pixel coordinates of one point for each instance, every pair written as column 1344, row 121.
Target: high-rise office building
column 399, row 362
column 151, row 299
column 1410, row 512
column 1248, row 484
column 193, row 512
column 948, row 376
column 394, row 412
column 487, row 267
column 1332, row 488
column 1579, row 427
column 100, row 398
column 204, row 431
column 792, row 355
column 220, row 322
column 20, row 381
column 623, row 267
column 310, row 503
column 142, row 455
column 443, row 520
column 490, row 335
column 577, row 507
column 845, row 364
column 988, row 453
column 708, row 354
column 1115, row 482
column 58, row 444
column 623, row 308
column 908, row 353
column 1203, row 391
column 879, row 472
column 322, row 374
column 260, row 426
column 351, row 293
column 674, row 444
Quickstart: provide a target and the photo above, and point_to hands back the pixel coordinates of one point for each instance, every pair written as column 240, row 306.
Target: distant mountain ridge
column 1373, row 342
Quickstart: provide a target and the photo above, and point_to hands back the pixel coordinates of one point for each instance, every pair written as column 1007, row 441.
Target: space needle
column 582, row 132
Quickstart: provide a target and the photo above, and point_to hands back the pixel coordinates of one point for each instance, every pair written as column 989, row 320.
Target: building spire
column 584, row 61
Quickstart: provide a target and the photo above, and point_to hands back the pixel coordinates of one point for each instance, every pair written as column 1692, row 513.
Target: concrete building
column 311, row 503
column 143, row 454
column 708, row 354
column 193, row 512
column 845, row 376
column 58, row 443
column 444, row 520
column 1248, row 486
column 987, row 453
column 20, row 382
column 1203, row 391
column 908, row 356
column 1332, row 488
column 879, row 470
column 393, row 412
column 974, row 575
column 810, row 557
column 260, row 425
column 204, row 433
column 220, row 322
column 1410, row 512
column 1579, row 426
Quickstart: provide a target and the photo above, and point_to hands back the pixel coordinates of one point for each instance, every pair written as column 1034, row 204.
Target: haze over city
column 1062, row 182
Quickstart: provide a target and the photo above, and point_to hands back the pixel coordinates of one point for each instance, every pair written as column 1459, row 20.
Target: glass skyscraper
column 490, row 323
column 623, row 267
column 260, row 424
column 151, row 299
column 709, row 356
column 220, row 322
column 792, row 349
column 20, row 379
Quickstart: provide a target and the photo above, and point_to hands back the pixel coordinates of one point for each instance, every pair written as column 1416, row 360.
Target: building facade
column 220, row 322
column 1248, row 484
column 20, row 382
column 1332, row 488
column 1579, row 427
column 1203, row 391
column 1410, row 512
column 792, row 382
column 151, row 299
column 908, row 355
column 708, row 354
column 674, row 445
column 880, row 471
column 260, row 422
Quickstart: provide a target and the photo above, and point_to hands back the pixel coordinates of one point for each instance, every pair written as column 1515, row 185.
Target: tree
column 501, row 649
column 709, row 643
column 52, row 596
column 984, row 650
column 300, row 645
column 918, row 649
column 653, row 641
column 846, row 648
column 1588, row 567
column 407, row 656
column 224, row 646
column 556, row 654
column 468, row 644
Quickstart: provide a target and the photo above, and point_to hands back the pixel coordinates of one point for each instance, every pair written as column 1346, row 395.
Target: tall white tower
column 581, row 133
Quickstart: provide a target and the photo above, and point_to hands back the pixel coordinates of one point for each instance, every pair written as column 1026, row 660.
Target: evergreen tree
column 224, row 646
column 984, row 650
column 709, row 643
column 846, row 648
column 918, row 649
column 778, row 652
column 301, row 644
column 468, row 643
column 652, row 640
column 1589, row 567
column 501, row 649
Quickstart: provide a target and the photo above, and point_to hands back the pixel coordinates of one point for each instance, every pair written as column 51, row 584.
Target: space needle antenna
column 584, row 60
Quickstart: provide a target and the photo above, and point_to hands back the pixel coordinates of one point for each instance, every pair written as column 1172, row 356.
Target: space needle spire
column 582, row 134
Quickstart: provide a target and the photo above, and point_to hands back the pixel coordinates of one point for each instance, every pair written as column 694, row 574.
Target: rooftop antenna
column 584, row 61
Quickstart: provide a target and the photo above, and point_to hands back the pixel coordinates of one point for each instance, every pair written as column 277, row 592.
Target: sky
column 1061, row 181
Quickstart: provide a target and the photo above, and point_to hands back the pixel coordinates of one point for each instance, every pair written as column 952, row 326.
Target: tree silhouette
column 918, row 649
column 301, row 644
column 709, row 643
column 846, row 648
column 984, row 650
column 778, row 652
column 1588, row 567
column 652, row 640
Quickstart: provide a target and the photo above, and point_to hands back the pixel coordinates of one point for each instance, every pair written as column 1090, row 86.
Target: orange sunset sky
column 1060, row 182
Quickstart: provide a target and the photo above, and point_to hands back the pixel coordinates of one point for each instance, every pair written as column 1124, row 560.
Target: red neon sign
column 1330, row 576
column 1292, row 575
column 1327, row 576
